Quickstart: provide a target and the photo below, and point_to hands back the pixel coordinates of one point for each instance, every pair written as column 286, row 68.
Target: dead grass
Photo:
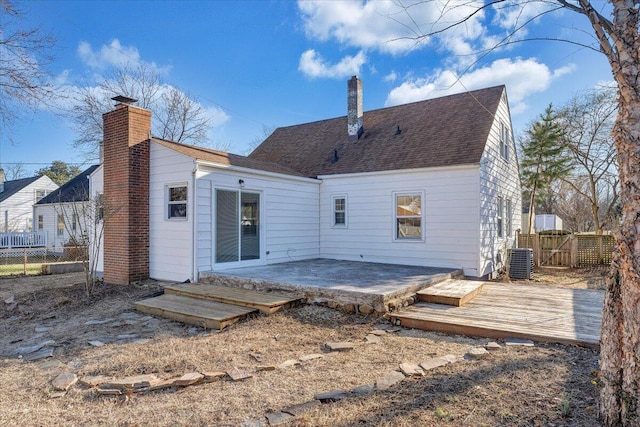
column 543, row 385
column 592, row 277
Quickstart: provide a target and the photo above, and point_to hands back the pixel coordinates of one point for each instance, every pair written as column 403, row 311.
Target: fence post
column 24, row 264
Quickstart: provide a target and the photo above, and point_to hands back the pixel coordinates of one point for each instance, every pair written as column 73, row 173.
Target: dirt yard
column 543, row 385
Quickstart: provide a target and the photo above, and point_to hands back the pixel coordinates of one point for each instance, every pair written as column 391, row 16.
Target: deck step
column 194, row 311
column 267, row 303
column 451, row 292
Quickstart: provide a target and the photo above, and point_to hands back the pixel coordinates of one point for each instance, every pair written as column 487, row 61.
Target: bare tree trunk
column 620, row 340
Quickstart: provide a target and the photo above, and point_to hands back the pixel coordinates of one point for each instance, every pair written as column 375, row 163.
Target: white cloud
column 391, row 77
column 115, row 55
column 217, row 116
column 314, row 66
column 522, row 77
column 391, row 26
column 511, row 14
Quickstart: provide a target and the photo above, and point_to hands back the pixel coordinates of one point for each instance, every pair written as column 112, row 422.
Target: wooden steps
column 451, row 292
column 194, row 311
column 267, row 303
column 211, row 306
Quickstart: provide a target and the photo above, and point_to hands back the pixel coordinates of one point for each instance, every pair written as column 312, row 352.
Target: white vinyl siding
column 288, row 223
column 170, row 242
column 498, row 178
column 449, row 208
column 16, row 212
column 48, row 215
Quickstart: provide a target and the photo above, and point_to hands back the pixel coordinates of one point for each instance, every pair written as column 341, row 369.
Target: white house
column 62, row 213
column 432, row 183
column 17, row 198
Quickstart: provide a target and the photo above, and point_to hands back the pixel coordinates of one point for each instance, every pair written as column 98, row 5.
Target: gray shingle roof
column 74, row 190
column 13, row 186
column 446, row 131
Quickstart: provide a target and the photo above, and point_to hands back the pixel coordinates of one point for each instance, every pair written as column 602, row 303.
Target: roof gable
column 13, row 186
column 447, row 131
column 74, row 190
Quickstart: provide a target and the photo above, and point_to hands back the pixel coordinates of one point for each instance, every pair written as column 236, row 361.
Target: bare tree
column 14, row 171
column 259, row 139
column 83, row 220
column 617, row 37
column 177, row 116
column 25, row 55
column 587, row 121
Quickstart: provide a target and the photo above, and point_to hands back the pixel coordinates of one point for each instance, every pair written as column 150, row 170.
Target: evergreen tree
column 545, row 158
column 60, row 172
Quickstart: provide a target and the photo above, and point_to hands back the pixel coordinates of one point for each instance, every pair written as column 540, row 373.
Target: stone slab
column 340, row 346
column 301, row 408
column 43, row 353
column 477, row 353
column 331, row 396
column 433, row 363
column 210, row 376
column 518, row 342
column 237, row 375
column 278, row 418
column 94, row 380
column 363, row 390
column 411, row 369
column 289, row 363
column 189, row 379
column 372, row 339
column 64, row 381
column 389, row 379
column 313, row 356
column 131, row 383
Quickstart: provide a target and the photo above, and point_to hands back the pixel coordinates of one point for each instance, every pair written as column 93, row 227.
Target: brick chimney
column 354, row 108
column 126, row 192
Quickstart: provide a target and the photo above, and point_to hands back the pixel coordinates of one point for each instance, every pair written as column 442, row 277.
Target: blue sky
column 256, row 64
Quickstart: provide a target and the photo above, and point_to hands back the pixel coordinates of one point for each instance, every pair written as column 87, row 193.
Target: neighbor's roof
column 12, row 187
column 446, row 131
column 74, row 190
column 223, row 158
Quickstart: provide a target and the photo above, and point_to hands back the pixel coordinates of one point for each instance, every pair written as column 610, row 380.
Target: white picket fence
column 12, row 240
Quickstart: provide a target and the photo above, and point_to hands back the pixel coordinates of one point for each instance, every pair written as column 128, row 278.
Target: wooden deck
column 267, row 303
column 451, row 292
column 200, row 312
column 542, row 313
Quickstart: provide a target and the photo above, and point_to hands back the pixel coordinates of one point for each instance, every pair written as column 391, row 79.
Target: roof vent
column 398, row 130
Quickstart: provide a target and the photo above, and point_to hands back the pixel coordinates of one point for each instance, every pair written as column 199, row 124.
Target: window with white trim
column 507, row 217
column 500, row 217
column 176, row 201
column 41, row 194
column 504, row 141
column 40, row 222
column 408, row 216
column 60, row 225
column 339, row 211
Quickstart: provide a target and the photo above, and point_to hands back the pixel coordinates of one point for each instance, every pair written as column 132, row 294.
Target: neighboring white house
column 17, row 198
column 432, row 183
column 61, row 214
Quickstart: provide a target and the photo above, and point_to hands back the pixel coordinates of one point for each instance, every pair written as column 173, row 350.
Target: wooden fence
column 569, row 250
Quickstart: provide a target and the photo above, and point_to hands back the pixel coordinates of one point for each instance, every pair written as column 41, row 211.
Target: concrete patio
column 355, row 286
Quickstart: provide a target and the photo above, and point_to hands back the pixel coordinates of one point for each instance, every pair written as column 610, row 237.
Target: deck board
column 451, row 292
column 194, row 311
column 543, row 313
column 265, row 302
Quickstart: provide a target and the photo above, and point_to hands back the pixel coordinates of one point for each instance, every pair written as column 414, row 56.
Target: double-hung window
column 176, row 201
column 339, row 211
column 408, row 216
column 40, row 222
column 504, row 141
column 60, row 225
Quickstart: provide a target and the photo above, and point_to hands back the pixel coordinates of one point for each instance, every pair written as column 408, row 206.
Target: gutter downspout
column 194, row 237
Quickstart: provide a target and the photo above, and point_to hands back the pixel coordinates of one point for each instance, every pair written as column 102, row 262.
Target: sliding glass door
column 237, row 226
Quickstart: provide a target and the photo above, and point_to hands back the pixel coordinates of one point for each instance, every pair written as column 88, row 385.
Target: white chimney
column 354, row 108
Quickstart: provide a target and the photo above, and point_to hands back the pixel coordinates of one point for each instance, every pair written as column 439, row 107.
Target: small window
column 504, row 141
column 41, row 194
column 507, row 217
column 40, row 222
column 60, row 228
column 500, row 216
column 177, row 202
column 339, row 211
column 408, row 216
column 74, row 224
